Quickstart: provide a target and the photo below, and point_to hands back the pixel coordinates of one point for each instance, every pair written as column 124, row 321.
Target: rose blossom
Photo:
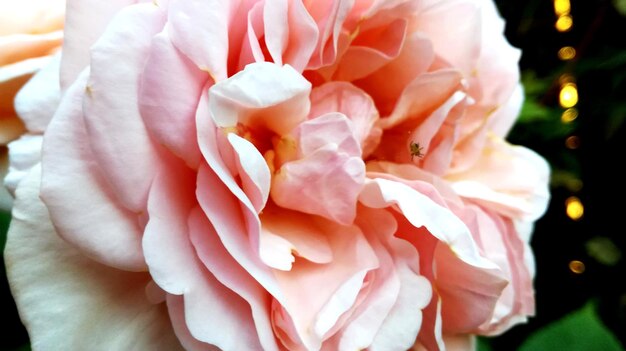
column 326, row 175
column 30, row 32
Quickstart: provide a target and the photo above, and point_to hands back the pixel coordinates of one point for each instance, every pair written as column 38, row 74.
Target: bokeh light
column 567, row 53
column 572, row 142
column 577, row 267
column 574, row 208
column 569, row 115
column 564, row 23
column 568, row 97
column 562, row 7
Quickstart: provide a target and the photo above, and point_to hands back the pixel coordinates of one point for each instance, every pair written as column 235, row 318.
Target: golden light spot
column 574, row 208
column 572, row 142
column 569, row 115
column 567, row 53
column 564, row 23
column 577, row 267
column 568, row 97
column 562, row 7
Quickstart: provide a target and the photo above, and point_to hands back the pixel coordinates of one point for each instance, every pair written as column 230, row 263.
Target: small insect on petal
column 416, row 150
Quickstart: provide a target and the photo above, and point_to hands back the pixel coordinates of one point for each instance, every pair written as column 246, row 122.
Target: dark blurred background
column 574, row 73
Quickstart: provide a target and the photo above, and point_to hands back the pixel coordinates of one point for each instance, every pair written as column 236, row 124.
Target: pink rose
column 279, row 175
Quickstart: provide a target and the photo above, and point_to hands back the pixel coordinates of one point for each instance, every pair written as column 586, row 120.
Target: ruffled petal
column 229, row 272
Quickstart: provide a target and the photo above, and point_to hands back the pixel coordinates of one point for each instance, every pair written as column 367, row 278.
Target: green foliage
column 5, row 218
column 581, row 330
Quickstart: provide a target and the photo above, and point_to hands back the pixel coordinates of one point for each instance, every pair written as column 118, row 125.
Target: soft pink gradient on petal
column 114, row 233
column 170, row 89
column 111, row 104
column 355, row 104
column 328, row 173
column 85, row 22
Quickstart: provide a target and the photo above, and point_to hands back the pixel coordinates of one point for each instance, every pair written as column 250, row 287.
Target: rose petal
column 50, row 281
column 111, row 103
column 85, row 22
column 510, row 179
column 170, row 89
column 24, row 154
column 355, row 104
column 287, row 231
column 230, row 273
column 103, row 229
column 290, row 32
column 253, row 171
column 263, row 95
column 209, row 20
column 37, row 101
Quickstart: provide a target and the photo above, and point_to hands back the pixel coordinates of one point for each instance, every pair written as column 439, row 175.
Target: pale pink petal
column 235, row 220
column 286, row 233
column 209, row 20
column 355, row 104
column 420, row 211
column 330, row 17
column 504, row 118
column 230, row 273
column 166, row 244
column 510, row 179
column 208, row 304
column 211, row 306
column 328, row 182
column 51, row 281
column 84, row 24
column 497, row 72
column 24, row 154
column 227, row 206
column 303, row 37
column 416, row 56
column 401, row 326
column 371, row 50
column 423, row 95
column 37, row 101
column 263, row 95
column 454, row 28
column 105, row 231
column 253, row 171
column 176, row 309
column 170, row 89
column 353, row 257
column 117, row 133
